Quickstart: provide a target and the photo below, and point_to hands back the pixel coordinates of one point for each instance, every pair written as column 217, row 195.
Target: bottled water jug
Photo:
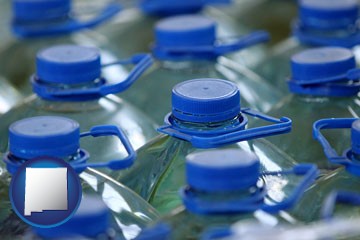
column 60, row 137
column 345, row 178
column 37, row 24
column 319, row 23
column 324, row 83
column 68, row 83
column 226, row 186
column 185, row 48
column 205, row 114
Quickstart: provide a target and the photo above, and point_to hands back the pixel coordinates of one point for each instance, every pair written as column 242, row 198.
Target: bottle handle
column 243, row 42
column 310, row 173
column 116, row 164
column 282, row 125
column 142, row 63
column 334, row 197
column 70, row 25
column 331, row 123
column 219, row 49
column 352, row 74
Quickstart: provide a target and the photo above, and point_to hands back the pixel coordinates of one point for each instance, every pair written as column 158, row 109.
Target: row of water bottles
column 182, row 121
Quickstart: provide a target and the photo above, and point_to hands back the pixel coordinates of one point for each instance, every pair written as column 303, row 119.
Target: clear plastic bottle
column 60, row 137
column 319, row 23
column 324, row 83
column 184, row 49
column 346, row 178
column 69, row 83
column 226, row 186
column 205, row 114
column 39, row 24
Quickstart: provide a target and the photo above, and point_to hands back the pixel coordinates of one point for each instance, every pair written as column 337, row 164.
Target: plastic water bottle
column 186, row 48
column 41, row 136
column 205, row 114
column 226, row 186
column 319, row 23
column 324, row 83
column 346, row 178
column 42, row 23
column 68, row 82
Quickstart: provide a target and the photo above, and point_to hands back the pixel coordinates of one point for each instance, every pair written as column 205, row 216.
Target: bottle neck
column 64, row 106
column 208, row 126
column 60, row 91
column 69, row 159
column 332, row 33
column 224, row 201
column 312, row 98
column 194, row 65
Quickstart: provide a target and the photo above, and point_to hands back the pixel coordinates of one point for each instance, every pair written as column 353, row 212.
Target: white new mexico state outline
column 45, row 189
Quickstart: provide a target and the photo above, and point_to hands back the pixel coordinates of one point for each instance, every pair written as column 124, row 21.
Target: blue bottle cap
column 222, row 170
column 90, row 220
column 40, row 10
column 328, row 14
column 166, row 7
column 205, row 100
column 68, row 64
column 321, row 63
column 185, row 31
column 355, row 137
column 44, row 136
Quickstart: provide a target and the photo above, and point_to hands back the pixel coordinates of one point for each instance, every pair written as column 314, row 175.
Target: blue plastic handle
column 310, row 173
column 282, row 125
column 352, row 74
column 142, row 61
column 109, row 130
column 70, row 25
column 331, row 123
column 197, row 205
column 336, row 89
column 219, row 49
column 334, row 197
